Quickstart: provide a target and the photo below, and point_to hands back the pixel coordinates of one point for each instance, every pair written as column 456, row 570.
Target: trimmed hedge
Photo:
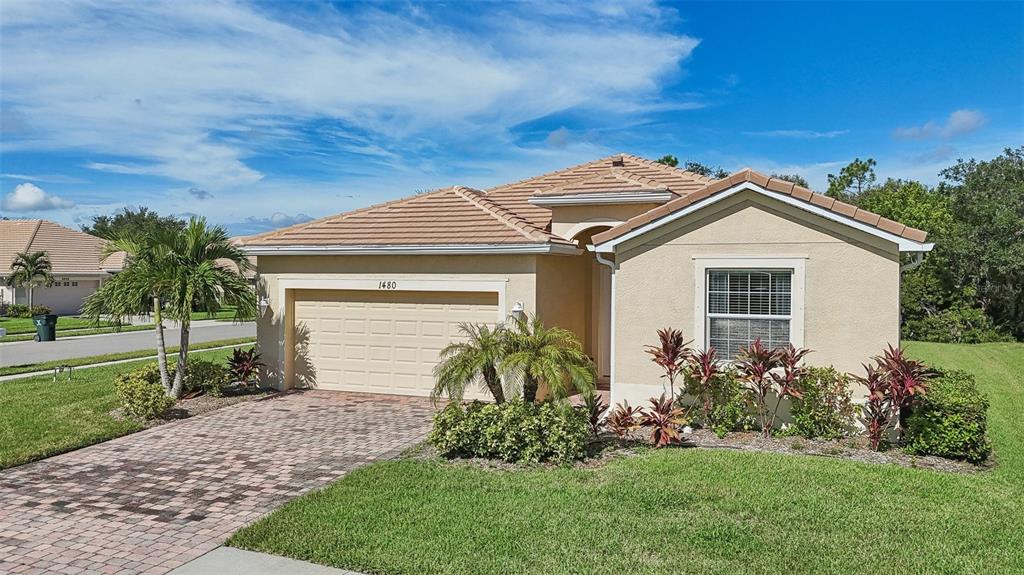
column 513, row 431
column 140, row 393
column 950, row 420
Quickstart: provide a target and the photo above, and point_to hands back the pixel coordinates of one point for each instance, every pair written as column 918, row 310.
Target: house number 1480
column 387, row 285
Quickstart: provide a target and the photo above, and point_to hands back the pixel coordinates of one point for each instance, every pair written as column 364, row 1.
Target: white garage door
column 380, row 341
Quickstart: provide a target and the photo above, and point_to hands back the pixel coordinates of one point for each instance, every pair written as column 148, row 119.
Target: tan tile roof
column 455, row 215
column 71, row 252
column 504, row 214
column 775, row 185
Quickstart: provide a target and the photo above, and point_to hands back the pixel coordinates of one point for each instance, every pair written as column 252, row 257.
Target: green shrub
column 17, row 310
column 730, row 405
column 950, row 420
column 40, row 310
column 955, row 325
column 140, row 393
column 826, row 407
column 513, row 431
column 205, row 376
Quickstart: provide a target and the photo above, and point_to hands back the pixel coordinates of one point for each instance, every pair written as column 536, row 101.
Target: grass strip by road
column 39, row 418
column 669, row 511
column 20, row 325
column 75, row 332
column 80, row 361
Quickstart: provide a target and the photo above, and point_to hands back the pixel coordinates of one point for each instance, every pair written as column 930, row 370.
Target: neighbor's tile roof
column 455, row 215
column 70, row 251
column 504, row 214
column 775, row 185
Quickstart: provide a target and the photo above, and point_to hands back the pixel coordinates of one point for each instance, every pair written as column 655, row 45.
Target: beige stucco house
column 76, row 258
column 613, row 249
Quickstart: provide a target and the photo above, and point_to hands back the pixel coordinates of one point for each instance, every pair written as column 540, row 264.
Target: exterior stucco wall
column 566, row 220
column 563, row 292
column 517, row 272
column 851, row 299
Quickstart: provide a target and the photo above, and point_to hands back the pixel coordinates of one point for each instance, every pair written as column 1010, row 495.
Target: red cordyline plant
column 877, row 409
column 755, row 364
column 670, row 354
column 623, row 419
column 664, row 419
column 703, row 369
column 789, row 359
column 907, row 378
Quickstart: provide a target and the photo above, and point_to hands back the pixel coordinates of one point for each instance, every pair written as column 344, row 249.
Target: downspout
column 914, row 263
column 611, row 325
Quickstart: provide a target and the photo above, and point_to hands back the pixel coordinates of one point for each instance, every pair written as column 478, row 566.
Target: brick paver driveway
column 149, row 502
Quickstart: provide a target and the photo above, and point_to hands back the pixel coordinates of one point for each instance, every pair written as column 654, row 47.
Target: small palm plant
column 755, row 363
column 702, row 371
column 172, row 272
column 670, row 355
column 30, row 270
column 536, row 354
column 474, row 360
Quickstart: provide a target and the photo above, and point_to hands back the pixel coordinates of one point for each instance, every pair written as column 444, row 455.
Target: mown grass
column 93, row 359
column 679, row 510
column 19, row 325
column 40, row 418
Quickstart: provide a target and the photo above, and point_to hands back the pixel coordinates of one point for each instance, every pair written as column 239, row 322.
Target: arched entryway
column 597, row 340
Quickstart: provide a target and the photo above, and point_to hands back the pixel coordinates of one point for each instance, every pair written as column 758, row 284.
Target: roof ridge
column 501, row 213
column 552, row 173
column 665, row 167
column 630, row 174
column 32, row 236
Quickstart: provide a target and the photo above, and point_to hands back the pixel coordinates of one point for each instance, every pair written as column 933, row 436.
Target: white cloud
column 960, row 122
column 799, row 134
column 191, row 91
column 28, row 197
column 255, row 225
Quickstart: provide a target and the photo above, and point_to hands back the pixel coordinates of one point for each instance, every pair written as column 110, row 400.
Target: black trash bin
column 46, row 327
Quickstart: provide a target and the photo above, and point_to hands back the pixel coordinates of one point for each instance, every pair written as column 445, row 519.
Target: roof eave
column 905, row 244
column 413, row 249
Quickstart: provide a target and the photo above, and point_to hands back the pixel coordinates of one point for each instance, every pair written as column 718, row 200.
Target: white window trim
column 745, row 262
column 287, row 282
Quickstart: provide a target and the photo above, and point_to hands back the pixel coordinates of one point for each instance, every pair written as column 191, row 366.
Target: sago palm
column 547, row 355
column 475, row 360
column 30, row 270
column 177, row 271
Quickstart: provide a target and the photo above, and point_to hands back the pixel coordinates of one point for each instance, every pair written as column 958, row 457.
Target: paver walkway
column 151, row 501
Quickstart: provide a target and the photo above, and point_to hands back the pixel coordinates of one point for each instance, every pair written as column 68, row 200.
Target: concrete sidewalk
column 26, row 352
column 230, row 561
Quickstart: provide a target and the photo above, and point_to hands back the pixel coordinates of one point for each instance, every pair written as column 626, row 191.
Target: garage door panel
column 384, row 342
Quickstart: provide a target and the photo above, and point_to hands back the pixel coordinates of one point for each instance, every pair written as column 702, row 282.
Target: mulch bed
column 186, row 408
column 607, row 447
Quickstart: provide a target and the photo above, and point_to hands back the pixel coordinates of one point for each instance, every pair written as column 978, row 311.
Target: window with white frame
column 744, row 305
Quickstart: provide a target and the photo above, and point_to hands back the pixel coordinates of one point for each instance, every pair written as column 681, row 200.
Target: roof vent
column 618, row 161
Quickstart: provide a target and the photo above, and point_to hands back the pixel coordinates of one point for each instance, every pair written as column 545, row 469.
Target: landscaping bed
column 202, row 405
column 737, row 506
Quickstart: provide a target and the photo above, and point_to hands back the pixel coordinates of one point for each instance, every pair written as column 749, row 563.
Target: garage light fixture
column 518, row 310
column 264, row 304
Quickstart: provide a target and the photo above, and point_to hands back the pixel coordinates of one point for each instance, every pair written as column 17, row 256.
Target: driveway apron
column 154, row 500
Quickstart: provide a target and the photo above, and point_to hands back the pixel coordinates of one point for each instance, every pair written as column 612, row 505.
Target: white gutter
column 413, row 249
column 611, row 326
column 605, row 198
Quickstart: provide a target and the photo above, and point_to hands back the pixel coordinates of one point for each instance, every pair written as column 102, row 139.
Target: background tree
column 715, row 172
column 30, row 270
column 131, row 222
column 986, row 244
column 795, row 178
column 668, row 160
column 180, row 271
column 853, row 180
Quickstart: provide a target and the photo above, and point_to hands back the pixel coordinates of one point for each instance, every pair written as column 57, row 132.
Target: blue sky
column 258, row 115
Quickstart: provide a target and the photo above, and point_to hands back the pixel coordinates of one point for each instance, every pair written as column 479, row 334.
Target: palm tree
column 550, row 355
column 30, row 270
column 472, row 361
column 172, row 272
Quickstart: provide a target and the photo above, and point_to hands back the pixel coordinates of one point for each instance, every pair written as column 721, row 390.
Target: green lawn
column 19, row 325
column 680, row 510
column 39, row 418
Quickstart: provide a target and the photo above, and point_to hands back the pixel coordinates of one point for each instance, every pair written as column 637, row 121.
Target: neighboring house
column 77, row 266
column 613, row 249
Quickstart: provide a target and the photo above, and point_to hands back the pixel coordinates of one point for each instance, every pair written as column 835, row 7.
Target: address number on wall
column 387, row 285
